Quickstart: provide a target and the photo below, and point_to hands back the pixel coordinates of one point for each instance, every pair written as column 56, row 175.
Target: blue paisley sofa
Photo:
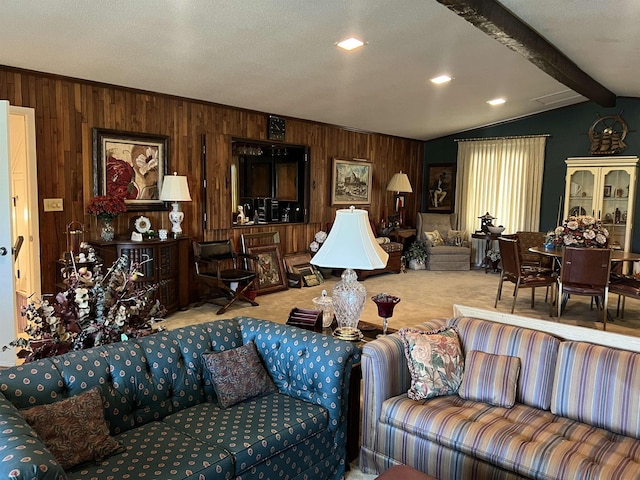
column 576, row 413
column 161, row 406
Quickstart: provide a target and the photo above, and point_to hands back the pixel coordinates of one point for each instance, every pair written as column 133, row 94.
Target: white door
column 8, row 312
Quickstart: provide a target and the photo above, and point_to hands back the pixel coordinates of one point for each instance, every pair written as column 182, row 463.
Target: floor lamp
column 350, row 244
column 400, row 184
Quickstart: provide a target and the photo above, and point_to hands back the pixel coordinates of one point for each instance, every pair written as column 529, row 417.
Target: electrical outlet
column 53, row 205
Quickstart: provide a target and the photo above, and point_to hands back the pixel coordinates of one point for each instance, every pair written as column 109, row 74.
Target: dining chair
column 521, row 276
column 585, row 271
column 624, row 287
column 217, row 268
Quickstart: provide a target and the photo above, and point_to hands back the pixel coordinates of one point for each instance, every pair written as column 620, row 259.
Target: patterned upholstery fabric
column 435, row 362
column 490, row 378
column 450, row 437
column 531, row 442
column 73, row 429
column 610, row 377
column 238, row 374
column 146, row 382
column 537, row 351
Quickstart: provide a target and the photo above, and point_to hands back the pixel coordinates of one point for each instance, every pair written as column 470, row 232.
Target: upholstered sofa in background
column 576, row 413
column 160, row 403
column 446, row 256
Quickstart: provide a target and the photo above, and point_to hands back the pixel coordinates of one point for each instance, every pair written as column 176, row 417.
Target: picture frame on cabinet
column 271, row 275
column 607, row 190
column 351, row 182
column 131, row 166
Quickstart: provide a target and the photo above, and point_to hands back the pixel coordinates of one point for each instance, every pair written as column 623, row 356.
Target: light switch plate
column 53, row 205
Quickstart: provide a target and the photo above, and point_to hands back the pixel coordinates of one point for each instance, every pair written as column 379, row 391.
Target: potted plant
column 493, row 258
column 417, row 255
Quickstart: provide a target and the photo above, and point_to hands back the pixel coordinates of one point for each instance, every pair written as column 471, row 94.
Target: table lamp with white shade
column 175, row 189
column 399, row 183
column 350, row 244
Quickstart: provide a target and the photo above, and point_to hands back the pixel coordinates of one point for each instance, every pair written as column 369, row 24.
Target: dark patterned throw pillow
column 74, row 429
column 238, row 374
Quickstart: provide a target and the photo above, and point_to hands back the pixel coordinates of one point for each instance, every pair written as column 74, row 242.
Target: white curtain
column 503, row 177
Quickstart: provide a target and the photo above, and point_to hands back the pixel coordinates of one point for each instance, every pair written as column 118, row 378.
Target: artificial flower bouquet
column 581, row 231
column 106, row 207
column 94, row 310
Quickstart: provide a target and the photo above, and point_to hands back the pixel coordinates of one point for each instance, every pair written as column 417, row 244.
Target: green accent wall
column 568, row 129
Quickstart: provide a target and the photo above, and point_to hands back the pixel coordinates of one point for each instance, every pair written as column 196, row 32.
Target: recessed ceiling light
column 441, row 79
column 350, row 43
column 496, row 101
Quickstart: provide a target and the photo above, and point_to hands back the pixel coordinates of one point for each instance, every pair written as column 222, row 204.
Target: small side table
column 401, row 235
column 489, row 239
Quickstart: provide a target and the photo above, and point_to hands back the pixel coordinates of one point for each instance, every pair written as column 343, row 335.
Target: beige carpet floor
column 424, row 295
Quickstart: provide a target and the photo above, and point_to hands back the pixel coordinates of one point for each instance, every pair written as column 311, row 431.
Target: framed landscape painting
column 441, row 178
column 130, row 166
column 351, row 182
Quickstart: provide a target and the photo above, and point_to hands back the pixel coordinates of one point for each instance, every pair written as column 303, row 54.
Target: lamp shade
column 400, row 183
column 175, row 189
column 351, row 244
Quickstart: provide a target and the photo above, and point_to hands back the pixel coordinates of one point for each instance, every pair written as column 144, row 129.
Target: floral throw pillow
column 238, row 374
column 74, row 429
column 435, row 238
column 456, row 237
column 435, row 359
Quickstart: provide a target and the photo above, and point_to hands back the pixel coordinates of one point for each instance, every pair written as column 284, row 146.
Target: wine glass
column 385, row 303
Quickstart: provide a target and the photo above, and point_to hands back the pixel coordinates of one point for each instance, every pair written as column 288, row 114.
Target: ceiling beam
column 502, row 25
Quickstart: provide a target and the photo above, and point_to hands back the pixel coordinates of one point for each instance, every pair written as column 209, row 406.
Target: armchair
column 448, row 255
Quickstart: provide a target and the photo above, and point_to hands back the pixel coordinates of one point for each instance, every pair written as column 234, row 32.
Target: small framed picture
column 351, row 182
column 271, row 275
column 607, row 190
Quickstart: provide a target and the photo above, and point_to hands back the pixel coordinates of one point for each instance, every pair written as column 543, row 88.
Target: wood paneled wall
column 68, row 109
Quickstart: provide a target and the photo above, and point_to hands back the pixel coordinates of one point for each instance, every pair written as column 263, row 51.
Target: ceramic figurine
column 241, row 217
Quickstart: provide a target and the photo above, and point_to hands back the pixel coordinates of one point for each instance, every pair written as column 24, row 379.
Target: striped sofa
column 577, row 411
column 160, row 403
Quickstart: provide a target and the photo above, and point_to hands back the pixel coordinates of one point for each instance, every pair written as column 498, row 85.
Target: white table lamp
column 175, row 189
column 350, row 244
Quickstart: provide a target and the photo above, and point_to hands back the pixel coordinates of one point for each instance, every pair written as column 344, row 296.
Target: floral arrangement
column 581, row 231
column 106, row 207
column 318, row 240
column 493, row 255
column 94, row 310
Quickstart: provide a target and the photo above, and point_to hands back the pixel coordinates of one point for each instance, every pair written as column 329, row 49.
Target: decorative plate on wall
column 577, row 211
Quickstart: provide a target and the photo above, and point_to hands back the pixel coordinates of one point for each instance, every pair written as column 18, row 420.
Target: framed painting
column 271, row 275
column 131, row 166
column 441, row 179
column 351, row 182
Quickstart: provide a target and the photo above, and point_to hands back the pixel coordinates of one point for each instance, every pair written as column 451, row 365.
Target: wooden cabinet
column 604, row 187
column 163, row 262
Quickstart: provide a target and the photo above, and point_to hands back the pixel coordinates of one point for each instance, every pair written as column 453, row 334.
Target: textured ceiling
column 278, row 56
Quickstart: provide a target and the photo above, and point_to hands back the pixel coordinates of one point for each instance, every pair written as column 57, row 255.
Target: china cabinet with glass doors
column 604, row 187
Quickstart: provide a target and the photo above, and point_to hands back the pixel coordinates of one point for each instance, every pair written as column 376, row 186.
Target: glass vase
column 107, row 232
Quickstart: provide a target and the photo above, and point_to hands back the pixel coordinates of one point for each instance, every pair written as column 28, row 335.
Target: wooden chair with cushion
column 217, row 269
column 532, row 239
column 585, row 271
column 521, row 276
